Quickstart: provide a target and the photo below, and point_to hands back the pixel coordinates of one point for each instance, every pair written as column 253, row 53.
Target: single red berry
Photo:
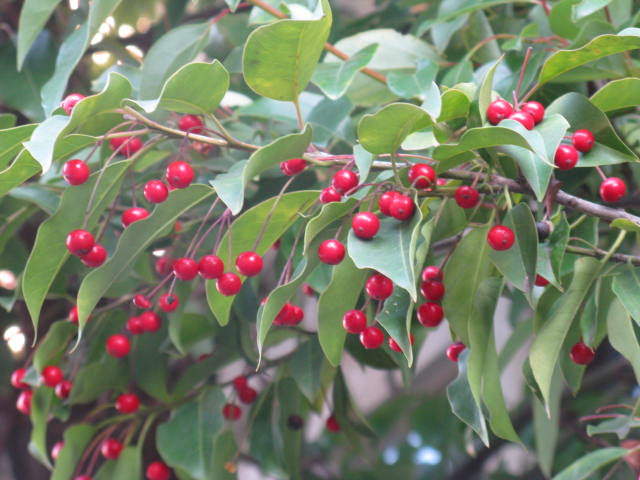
column 83, row 477
column 296, row 315
column 96, row 256
column 501, row 238
column 566, row 157
column 332, row 424
column 583, row 140
column 276, row 245
column 163, row 265
column 331, row 252
column 385, row 200
column 536, row 109
column 293, row 166
column 127, row 145
column 541, row 281
column 393, row 345
column 185, row 268
column 249, row 264
column 158, row 471
column 228, row 284
column 466, row 196
column 150, row 321
column 179, row 174
column 168, row 302
column 51, row 376
column 441, row 182
column 430, row 314
column 79, row 242
column 63, row 389
column 127, row 403
column 55, row 450
column 118, row 345
column 133, row 214
column 454, row 350
column 70, row 101
column 582, row 354
column 402, row 207
column 239, row 383
column 73, row 315
column 498, row 110
column 612, row 189
column 16, row 378
column 23, row 403
column 379, row 287
column 75, row 172
column 155, row 191
column 134, row 326
column 210, row 267
column 110, row 448
column 432, row 290
column 365, row 225
column 354, row 321
column 177, row 227
column 523, row 118
column 371, row 337
column 231, row 412
column 190, row 123
column 432, row 273
column 307, row 289
column 141, row 301
column 330, row 194
column 285, row 315
column 344, row 180
column 422, row 175
column 247, row 395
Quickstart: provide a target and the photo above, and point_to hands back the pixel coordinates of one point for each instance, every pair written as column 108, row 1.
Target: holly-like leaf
column 334, row 78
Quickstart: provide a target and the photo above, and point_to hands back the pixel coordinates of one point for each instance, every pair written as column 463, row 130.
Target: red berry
column 422, row 175
column 23, row 403
column 96, row 256
column 536, row 109
column 612, row 189
column 331, row 252
column 467, row 197
column 296, row 315
column 141, row 301
column 385, row 200
column 454, row 350
column 432, row 290
column 501, row 238
column 566, row 157
column 371, row 337
column 133, row 214
column 155, row 191
column 168, row 302
column 330, row 194
column 75, row 172
column 163, row 265
column 185, row 268
column 84, row 477
column 239, row 382
column 127, row 403
column 228, row 284
column 179, row 174
column 344, row 180
column 432, row 273
column 583, row 140
column 249, row 264
column 190, row 123
column 55, row 450
column 110, row 448
column 393, row 345
column 158, row 471
column 498, row 110
column 118, row 345
column 402, row 207
column 293, row 166
column 285, row 315
column 79, row 242
column 379, row 287
column 307, row 289
column 247, row 395
column 73, row 315
column 134, row 326
column 430, row 314
column 128, row 145
column 354, row 321
column 16, row 378
column 51, row 376
column 70, row 101
column 541, row 281
column 332, row 424
column 582, row 354
column 365, row 225
column 524, row 118
column 150, row 321
column 210, row 267
column 63, row 389
column 231, row 412
column 177, row 227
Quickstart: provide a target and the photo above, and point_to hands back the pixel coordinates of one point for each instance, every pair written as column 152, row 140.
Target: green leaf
column 135, row 238
column 233, row 4
column 385, row 130
column 455, row 104
column 230, row 186
column 98, row 377
column 396, row 318
column 486, row 87
column 290, row 402
column 413, row 84
column 11, row 140
column 618, row 94
column 341, row 295
column 600, row 47
column 547, row 427
column 329, row 213
column 33, row 17
column 150, row 365
column 54, row 344
column 546, row 347
column 187, row 329
column 279, row 58
column 464, row 271
column 590, row 463
column 623, row 337
column 626, row 286
column 334, row 78
column 587, row 7
column 624, row 224
column 363, row 160
column 75, row 440
column 310, row 369
column 174, row 49
column 195, row 88
column 49, row 252
column 128, row 466
column 22, row 169
column 40, row 406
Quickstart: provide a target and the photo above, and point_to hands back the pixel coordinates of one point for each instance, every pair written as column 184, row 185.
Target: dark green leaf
column 40, row 406
column 128, row 466
column 623, row 337
column 590, row 463
column 395, row 318
column 76, row 439
column 310, row 370
column 626, row 286
column 54, row 344
column 547, row 425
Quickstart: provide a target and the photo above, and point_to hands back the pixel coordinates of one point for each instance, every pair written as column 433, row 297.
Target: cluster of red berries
column 51, row 376
column 245, row 393
column 82, row 244
column 430, row 313
column 566, row 156
column 529, row 115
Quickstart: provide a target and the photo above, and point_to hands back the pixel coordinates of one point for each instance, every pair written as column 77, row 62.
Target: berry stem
column 516, row 92
column 296, row 104
column 105, row 224
column 132, row 179
column 159, row 286
column 599, row 170
column 270, row 214
column 190, row 249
